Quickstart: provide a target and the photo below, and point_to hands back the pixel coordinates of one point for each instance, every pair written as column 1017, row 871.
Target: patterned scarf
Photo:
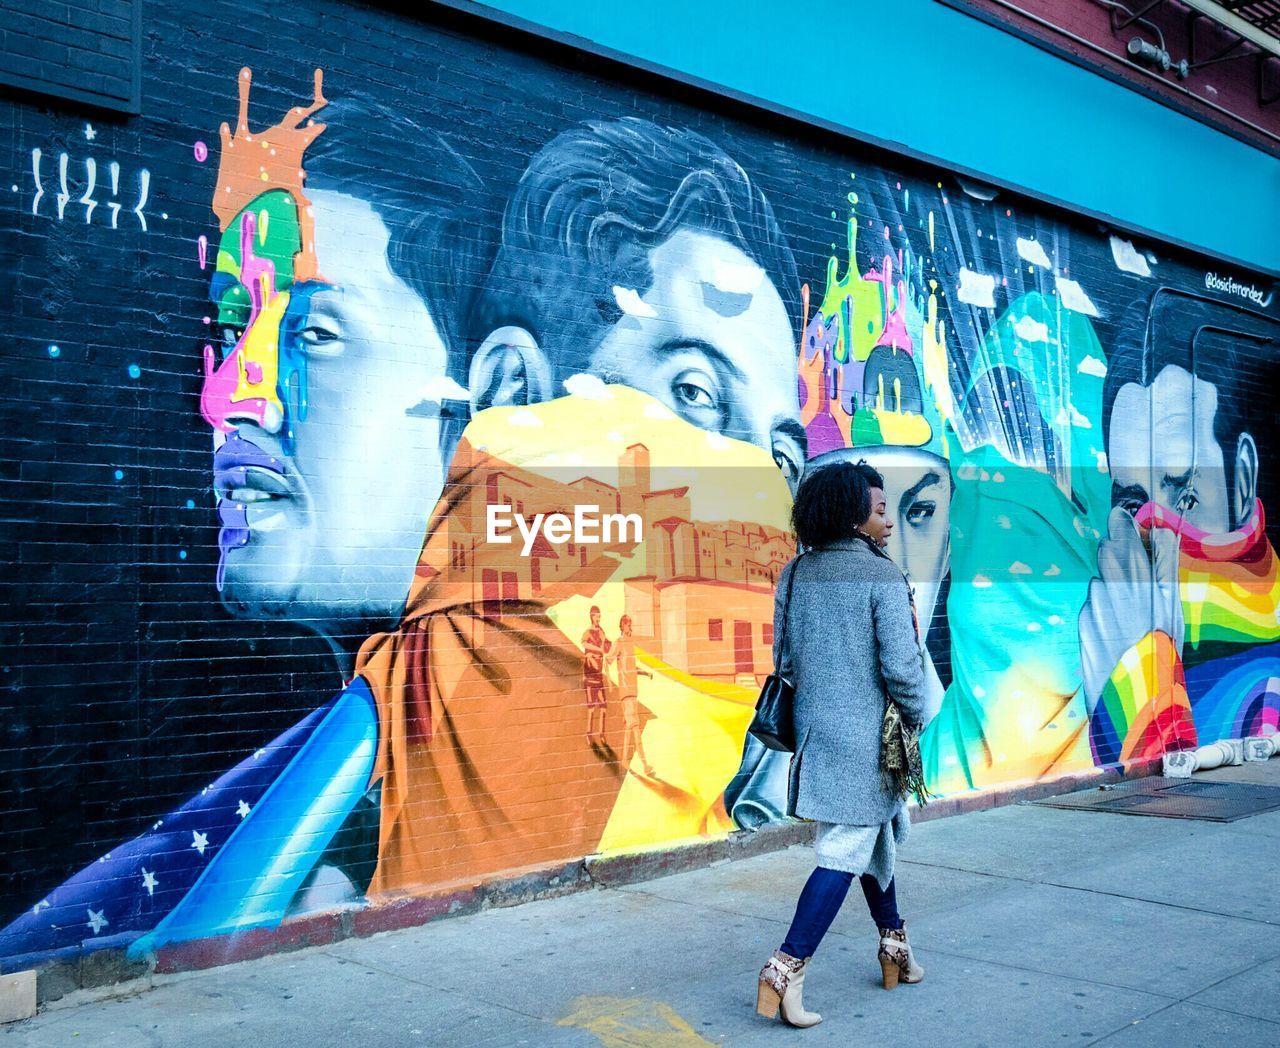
column 901, row 769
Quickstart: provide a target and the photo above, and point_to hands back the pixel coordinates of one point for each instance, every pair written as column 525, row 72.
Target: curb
column 112, row 970
column 1033, row 790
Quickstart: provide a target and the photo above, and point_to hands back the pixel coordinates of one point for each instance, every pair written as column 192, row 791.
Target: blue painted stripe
column 257, row 873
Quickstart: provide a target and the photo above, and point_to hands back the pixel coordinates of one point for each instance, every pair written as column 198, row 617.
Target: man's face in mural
column 917, row 493
column 710, row 338
column 324, row 480
column 1163, row 450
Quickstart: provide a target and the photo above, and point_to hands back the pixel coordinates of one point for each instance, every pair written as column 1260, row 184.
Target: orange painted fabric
column 483, row 755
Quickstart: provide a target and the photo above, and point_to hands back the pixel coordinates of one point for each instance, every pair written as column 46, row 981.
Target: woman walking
column 849, row 643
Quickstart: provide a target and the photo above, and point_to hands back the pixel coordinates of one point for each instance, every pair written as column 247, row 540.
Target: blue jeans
column 821, row 900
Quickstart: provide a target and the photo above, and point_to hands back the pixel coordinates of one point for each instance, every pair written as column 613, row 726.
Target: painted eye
column 693, row 391
column 920, row 513
column 696, row 396
column 318, row 336
column 321, row 340
column 790, row 471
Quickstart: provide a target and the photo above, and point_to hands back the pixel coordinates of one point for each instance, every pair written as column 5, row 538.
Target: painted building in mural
column 276, row 347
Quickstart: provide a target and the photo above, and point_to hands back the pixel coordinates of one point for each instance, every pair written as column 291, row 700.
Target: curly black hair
column 833, row 502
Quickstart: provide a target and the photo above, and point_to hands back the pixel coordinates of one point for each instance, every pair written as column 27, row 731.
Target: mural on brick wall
column 518, row 445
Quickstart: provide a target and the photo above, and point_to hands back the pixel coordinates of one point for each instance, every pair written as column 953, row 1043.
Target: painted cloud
column 977, row 289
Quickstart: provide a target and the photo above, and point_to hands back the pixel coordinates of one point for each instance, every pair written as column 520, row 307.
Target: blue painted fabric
column 250, row 831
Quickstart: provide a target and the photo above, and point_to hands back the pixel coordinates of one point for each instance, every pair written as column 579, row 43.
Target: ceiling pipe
column 1225, row 113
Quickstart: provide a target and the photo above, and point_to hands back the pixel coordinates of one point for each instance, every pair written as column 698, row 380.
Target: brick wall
column 281, row 675
column 83, row 50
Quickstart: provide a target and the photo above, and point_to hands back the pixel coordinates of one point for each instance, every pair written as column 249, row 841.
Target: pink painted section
column 895, row 332
column 220, row 380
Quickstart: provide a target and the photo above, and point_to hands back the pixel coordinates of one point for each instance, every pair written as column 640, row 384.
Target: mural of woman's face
column 710, row 338
column 325, row 481
column 917, row 493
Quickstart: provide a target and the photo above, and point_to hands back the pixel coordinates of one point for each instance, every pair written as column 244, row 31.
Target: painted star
column 43, row 904
column 149, row 881
column 97, row 920
column 242, row 809
column 89, row 133
column 199, row 841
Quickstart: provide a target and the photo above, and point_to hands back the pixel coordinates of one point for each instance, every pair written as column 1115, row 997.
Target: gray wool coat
column 849, row 642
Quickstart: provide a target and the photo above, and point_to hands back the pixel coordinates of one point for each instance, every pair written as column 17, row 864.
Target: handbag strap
column 786, row 604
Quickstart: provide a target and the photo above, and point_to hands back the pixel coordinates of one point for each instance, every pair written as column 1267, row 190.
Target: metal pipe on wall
column 1081, row 41
column 1182, row 764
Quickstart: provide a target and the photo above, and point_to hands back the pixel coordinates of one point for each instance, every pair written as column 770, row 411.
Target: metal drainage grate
column 1174, row 799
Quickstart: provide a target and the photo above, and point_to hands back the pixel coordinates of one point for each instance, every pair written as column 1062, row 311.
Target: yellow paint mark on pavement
column 628, row 1022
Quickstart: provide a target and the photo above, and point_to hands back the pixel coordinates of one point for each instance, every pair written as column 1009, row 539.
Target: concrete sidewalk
column 1036, row 926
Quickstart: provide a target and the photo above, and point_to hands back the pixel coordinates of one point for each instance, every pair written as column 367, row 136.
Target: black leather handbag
column 774, row 723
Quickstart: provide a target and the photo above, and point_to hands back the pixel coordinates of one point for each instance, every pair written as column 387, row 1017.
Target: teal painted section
column 927, row 77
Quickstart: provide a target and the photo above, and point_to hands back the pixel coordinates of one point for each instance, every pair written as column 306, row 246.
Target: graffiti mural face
column 324, row 477
column 326, row 399
column 1163, row 450
column 711, row 339
column 917, row 490
column 1178, row 636
column 643, row 253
